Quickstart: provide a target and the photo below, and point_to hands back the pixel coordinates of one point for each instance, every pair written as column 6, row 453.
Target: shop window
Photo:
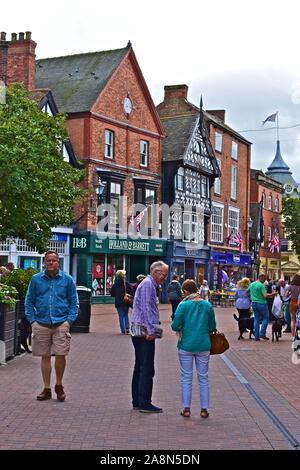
column 104, row 272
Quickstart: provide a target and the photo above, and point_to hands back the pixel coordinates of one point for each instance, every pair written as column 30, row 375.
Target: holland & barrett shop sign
column 92, row 244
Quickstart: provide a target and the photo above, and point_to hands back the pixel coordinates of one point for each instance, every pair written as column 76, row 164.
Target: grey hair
column 157, row 265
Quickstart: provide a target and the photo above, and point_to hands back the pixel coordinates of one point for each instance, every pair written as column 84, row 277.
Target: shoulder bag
column 219, row 343
column 128, row 299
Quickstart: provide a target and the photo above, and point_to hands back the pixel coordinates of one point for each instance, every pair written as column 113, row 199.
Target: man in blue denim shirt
column 51, row 306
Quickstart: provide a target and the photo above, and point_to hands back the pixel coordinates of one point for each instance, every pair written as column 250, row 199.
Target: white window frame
column 270, row 201
column 180, row 179
column 276, row 204
column 218, row 142
column 144, row 152
column 109, row 143
column 233, row 181
column 190, row 227
column 216, row 227
column 234, row 150
column 217, row 183
column 233, row 227
column 269, row 234
column 204, row 186
column 263, row 197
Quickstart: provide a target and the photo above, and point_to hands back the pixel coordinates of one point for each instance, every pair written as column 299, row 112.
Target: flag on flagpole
column 271, row 118
column 238, row 240
column 139, row 219
column 229, row 238
column 274, row 244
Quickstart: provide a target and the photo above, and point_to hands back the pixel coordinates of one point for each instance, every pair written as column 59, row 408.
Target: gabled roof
column 178, row 131
column 77, row 80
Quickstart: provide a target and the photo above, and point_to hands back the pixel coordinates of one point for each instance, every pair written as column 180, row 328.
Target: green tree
column 291, row 221
column 38, row 188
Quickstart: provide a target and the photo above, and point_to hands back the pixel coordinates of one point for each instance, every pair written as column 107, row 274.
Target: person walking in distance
column 145, row 313
column 293, row 292
column 259, row 305
column 286, row 299
column 51, row 306
column 174, row 293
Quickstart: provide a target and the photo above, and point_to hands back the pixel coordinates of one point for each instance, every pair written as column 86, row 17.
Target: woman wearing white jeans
column 186, row 360
column 194, row 320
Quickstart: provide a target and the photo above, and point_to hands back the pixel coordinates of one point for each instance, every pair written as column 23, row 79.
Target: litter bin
column 82, row 322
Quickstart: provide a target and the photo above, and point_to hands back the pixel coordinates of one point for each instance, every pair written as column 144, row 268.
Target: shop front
column 227, row 268
column 188, row 262
column 95, row 261
column 271, row 267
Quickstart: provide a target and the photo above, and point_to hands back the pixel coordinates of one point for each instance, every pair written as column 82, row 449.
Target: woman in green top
column 194, row 320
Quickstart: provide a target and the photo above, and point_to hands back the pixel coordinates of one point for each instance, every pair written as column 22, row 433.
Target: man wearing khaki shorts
column 51, row 306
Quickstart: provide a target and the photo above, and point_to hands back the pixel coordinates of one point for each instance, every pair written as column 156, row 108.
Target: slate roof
column 178, row 131
column 77, row 80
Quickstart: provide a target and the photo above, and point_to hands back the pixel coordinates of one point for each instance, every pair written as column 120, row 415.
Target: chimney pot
column 13, row 36
column 3, row 36
column 28, row 35
column 21, row 36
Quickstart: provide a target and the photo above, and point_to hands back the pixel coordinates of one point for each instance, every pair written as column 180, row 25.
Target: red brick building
column 269, row 192
column 230, row 195
column 117, row 135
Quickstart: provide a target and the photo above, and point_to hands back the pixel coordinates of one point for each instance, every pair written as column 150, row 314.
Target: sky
column 240, row 56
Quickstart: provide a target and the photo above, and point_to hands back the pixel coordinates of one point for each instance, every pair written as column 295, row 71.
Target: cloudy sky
column 241, row 56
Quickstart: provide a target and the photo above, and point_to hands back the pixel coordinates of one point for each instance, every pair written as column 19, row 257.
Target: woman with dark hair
column 174, row 293
column 294, row 291
column 194, row 320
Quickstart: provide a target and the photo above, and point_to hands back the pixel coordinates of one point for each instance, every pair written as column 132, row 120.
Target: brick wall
column 21, row 60
column 242, row 200
column 87, row 134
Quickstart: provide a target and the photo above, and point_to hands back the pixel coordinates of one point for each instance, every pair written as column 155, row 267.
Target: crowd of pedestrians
column 51, row 306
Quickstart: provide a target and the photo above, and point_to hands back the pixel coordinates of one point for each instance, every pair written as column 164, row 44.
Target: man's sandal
column 186, row 412
column 204, row 413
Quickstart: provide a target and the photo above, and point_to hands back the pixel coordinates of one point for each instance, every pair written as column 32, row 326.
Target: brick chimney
column 3, row 57
column 176, row 91
column 21, row 60
column 175, row 102
column 219, row 113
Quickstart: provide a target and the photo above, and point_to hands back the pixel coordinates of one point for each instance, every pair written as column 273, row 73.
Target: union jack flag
column 271, row 118
column 139, row 219
column 238, row 240
column 274, row 244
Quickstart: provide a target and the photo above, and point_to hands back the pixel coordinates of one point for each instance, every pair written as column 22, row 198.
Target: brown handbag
column 128, row 298
column 219, row 343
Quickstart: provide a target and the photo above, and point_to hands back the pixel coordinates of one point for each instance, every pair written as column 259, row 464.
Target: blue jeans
column 186, row 360
column 287, row 315
column 123, row 318
column 143, row 373
column 260, row 311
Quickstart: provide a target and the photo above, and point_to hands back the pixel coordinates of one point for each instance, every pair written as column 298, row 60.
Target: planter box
column 7, row 332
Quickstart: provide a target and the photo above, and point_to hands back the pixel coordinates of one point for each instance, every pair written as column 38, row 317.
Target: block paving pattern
column 97, row 414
